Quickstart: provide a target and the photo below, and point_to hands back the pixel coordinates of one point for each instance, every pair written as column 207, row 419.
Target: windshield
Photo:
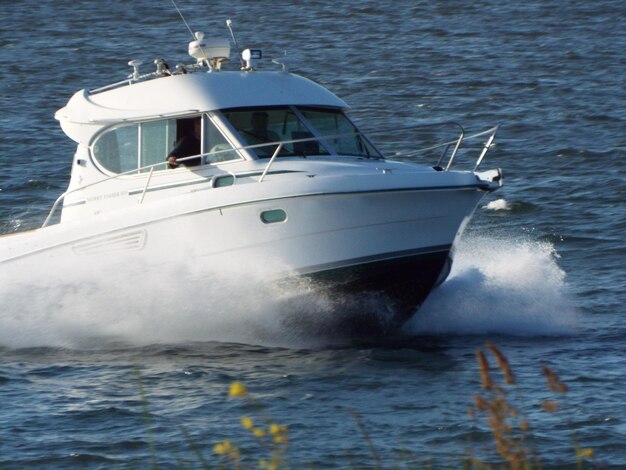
column 305, row 132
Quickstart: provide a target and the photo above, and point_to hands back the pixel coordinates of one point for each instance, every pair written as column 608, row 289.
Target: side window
column 127, row 148
column 157, row 140
column 116, row 150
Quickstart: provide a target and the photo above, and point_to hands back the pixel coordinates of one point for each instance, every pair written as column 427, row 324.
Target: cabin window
column 219, row 149
column 262, row 127
column 348, row 141
column 139, row 146
column 116, row 150
column 157, row 140
column 316, row 131
column 135, row 146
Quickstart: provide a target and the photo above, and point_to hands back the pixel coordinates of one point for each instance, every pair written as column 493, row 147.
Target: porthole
column 273, row 216
column 221, row 181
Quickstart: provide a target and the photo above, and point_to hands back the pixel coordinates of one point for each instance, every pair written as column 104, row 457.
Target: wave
column 502, row 205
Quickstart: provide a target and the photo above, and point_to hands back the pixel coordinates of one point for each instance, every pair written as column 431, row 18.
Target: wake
column 496, row 286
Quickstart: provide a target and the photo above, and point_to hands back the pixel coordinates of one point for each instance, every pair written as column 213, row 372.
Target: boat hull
column 401, row 281
column 392, row 245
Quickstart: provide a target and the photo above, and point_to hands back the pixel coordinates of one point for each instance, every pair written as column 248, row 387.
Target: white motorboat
column 281, row 177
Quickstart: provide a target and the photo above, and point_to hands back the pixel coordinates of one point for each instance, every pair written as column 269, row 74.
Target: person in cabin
column 187, row 146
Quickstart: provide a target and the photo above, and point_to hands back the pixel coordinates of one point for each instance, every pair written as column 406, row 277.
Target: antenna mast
column 183, row 18
column 232, row 35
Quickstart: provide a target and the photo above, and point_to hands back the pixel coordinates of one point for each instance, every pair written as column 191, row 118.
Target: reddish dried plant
column 507, row 427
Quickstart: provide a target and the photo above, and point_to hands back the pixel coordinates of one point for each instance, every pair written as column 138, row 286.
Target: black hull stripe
column 374, row 258
column 402, row 283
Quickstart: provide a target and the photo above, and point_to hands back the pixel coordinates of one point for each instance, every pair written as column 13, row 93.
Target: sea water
column 113, row 366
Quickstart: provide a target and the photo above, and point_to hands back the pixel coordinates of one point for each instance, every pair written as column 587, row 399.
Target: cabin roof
column 86, row 112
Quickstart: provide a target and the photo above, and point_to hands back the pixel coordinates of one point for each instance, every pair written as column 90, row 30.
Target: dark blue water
column 98, row 374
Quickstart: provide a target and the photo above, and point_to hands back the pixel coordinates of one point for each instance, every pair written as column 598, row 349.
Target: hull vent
column 126, row 241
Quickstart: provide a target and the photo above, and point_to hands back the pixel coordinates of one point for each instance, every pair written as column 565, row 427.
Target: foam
column 503, row 286
column 510, row 287
column 128, row 300
column 498, row 205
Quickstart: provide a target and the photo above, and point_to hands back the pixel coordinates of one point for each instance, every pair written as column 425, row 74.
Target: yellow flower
column 237, row 389
column 258, row 432
column 274, row 464
column 247, row 423
column 585, row 453
column 280, row 439
column 222, row 448
column 276, row 429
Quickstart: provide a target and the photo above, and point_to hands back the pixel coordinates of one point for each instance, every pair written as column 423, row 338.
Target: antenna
column 183, row 18
column 195, row 36
column 229, row 25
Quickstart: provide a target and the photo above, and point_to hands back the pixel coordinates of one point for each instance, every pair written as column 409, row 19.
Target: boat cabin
column 197, row 121
column 228, row 135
